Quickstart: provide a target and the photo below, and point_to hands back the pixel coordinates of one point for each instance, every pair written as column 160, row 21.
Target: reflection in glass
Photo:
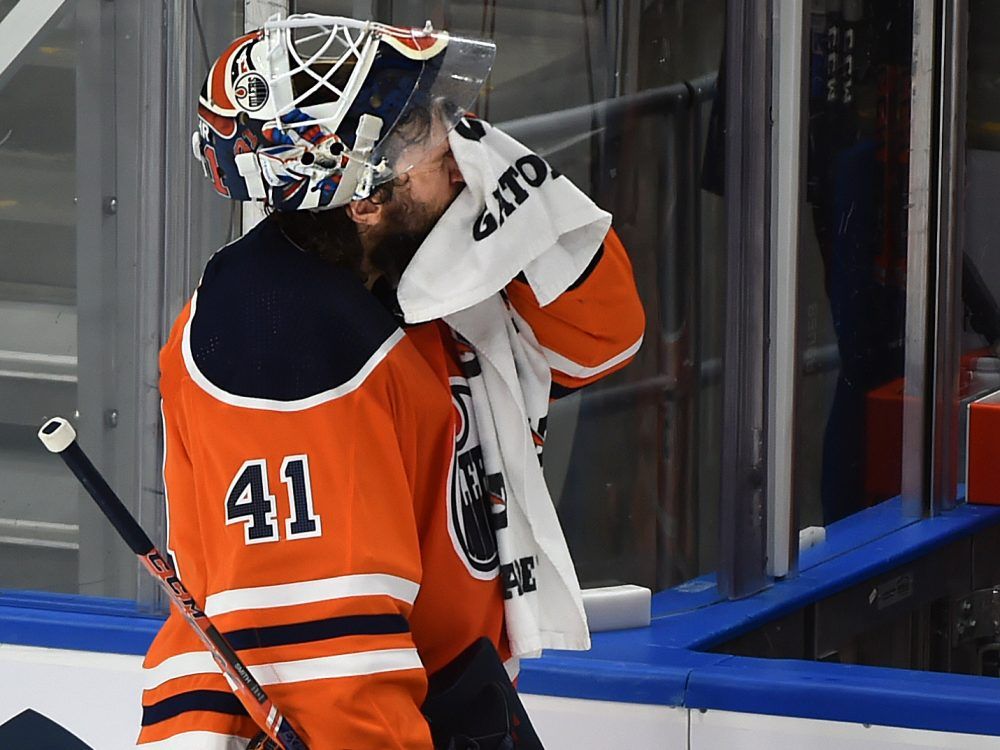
column 979, row 372
column 617, row 96
column 69, row 327
column 853, row 257
column 39, row 531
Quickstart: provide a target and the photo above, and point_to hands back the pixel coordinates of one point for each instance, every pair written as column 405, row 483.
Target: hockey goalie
column 355, row 398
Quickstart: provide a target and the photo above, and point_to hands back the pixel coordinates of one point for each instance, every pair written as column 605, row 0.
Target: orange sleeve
column 295, row 530
column 595, row 327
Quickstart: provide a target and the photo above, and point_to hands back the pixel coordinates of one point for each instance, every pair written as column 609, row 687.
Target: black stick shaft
column 251, row 694
column 107, row 500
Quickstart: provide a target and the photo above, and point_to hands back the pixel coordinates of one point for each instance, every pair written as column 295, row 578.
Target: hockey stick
column 59, row 437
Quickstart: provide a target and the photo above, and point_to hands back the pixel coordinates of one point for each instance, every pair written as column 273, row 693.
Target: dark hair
column 330, row 235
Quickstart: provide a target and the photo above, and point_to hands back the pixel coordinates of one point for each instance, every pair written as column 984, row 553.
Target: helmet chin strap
column 358, row 179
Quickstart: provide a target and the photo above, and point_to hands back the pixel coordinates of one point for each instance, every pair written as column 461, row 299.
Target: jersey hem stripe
column 576, row 370
column 308, row 592
column 356, row 664
column 200, row 740
column 265, row 404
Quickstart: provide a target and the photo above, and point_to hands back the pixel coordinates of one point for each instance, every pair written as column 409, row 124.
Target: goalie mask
column 312, row 112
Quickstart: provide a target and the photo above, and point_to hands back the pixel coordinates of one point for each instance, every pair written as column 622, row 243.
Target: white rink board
column 713, row 730
column 570, row 724
column 96, row 697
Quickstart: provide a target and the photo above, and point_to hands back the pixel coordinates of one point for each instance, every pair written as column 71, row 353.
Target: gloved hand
column 472, row 705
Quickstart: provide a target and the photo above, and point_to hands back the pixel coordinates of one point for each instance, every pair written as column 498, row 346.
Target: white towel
column 515, row 215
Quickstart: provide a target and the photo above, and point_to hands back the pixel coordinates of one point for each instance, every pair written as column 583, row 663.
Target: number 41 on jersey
column 251, row 503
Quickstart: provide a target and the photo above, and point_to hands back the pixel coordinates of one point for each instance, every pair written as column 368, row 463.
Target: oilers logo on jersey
column 469, row 522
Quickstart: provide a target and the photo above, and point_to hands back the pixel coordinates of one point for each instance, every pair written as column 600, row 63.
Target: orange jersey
column 324, row 493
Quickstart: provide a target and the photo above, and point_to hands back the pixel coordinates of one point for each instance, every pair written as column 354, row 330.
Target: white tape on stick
column 57, row 434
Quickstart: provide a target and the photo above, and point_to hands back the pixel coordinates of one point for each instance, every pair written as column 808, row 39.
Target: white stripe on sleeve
column 576, row 370
column 307, row 592
column 319, row 668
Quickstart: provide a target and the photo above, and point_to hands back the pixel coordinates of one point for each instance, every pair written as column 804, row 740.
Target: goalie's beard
column 400, row 234
column 334, row 237
column 393, row 253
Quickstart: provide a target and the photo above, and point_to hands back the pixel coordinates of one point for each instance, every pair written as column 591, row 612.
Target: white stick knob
column 57, row 434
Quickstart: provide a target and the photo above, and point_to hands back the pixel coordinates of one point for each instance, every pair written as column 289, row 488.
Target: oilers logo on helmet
column 251, row 92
